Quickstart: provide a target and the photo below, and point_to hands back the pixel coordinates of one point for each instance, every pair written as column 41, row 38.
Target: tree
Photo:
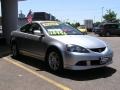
column 96, row 24
column 110, row 16
column 68, row 23
column 77, row 24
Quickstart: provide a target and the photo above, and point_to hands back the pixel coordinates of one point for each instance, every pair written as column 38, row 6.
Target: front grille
column 98, row 49
column 95, row 62
column 81, row 63
column 92, row 62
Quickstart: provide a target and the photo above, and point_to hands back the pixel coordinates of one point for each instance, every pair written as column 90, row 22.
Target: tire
column 54, row 60
column 15, row 51
column 108, row 34
column 100, row 35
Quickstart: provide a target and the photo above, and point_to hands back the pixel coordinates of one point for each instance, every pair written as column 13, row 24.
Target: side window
column 107, row 26
column 25, row 28
column 111, row 26
column 114, row 26
column 34, row 27
column 30, row 28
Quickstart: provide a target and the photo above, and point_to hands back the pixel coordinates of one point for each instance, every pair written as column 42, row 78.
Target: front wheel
column 100, row 35
column 54, row 61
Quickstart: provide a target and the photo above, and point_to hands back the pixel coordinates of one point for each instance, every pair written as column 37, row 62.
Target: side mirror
column 38, row 32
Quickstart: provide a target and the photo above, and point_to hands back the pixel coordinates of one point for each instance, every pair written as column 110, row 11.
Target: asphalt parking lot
column 25, row 73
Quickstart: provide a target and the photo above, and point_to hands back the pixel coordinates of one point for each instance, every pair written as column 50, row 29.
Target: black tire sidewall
column 107, row 34
column 14, row 46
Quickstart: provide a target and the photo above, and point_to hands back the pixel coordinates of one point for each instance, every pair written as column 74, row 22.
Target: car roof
column 110, row 23
column 103, row 24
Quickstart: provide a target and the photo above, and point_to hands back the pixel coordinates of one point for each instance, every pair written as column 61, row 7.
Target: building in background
column 89, row 24
column 35, row 16
column 43, row 16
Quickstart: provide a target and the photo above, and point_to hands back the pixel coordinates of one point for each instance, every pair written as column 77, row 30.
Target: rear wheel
column 100, row 35
column 15, row 51
column 107, row 34
column 54, row 61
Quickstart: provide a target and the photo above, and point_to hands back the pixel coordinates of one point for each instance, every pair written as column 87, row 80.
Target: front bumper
column 83, row 61
column 73, row 67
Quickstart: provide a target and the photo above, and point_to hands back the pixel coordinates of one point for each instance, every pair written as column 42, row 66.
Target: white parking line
column 59, row 85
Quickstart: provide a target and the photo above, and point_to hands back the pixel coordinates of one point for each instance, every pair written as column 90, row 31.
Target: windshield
column 57, row 28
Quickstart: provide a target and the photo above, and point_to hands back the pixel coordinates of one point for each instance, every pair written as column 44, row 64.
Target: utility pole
column 102, row 14
column 94, row 19
column 9, row 17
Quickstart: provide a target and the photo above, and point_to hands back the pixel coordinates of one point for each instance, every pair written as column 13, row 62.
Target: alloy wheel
column 54, row 61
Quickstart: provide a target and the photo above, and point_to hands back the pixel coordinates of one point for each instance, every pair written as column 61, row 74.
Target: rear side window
column 25, row 28
column 114, row 26
column 111, row 26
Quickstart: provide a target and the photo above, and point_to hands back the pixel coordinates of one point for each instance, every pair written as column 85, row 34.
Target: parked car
column 108, row 29
column 82, row 29
column 61, row 46
column 96, row 30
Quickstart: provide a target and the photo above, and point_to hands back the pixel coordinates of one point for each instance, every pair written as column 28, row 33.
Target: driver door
column 33, row 43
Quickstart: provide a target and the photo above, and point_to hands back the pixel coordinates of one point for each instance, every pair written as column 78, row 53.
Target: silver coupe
column 60, row 46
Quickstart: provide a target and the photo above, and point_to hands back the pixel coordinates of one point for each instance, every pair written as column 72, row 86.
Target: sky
column 71, row 10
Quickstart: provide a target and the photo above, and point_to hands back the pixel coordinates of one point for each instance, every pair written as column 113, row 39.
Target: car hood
column 83, row 30
column 85, row 41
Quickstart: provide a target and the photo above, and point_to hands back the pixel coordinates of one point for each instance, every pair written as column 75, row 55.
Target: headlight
column 76, row 48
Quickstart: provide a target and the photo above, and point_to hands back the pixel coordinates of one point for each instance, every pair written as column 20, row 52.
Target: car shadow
column 40, row 65
column 78, row 75
column 110, row 36
column 85, row 75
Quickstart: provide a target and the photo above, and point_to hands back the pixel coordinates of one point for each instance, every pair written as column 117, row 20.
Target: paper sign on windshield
column 56, row 32
column 50, row 24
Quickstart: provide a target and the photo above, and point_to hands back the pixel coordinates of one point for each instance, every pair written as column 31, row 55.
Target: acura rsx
column 61, row 46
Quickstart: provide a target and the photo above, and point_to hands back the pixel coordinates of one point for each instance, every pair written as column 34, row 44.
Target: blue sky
column 72, row 10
